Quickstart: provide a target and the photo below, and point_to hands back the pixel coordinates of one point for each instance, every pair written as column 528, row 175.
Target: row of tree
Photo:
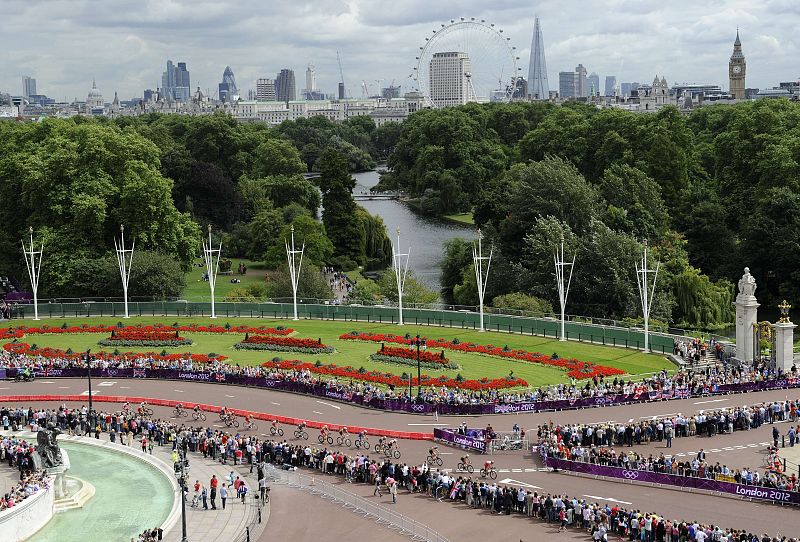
column 165, row 177
column 712, row 192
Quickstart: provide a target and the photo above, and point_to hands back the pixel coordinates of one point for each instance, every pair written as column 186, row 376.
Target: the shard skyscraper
column 537, row 70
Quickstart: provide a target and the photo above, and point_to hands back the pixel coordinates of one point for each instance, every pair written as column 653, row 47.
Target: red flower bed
column 139, row 335
column 20, row 331
column 387, row 379
column 56, row 353
column 406, row 353
column 283, row 344
column 575, row 368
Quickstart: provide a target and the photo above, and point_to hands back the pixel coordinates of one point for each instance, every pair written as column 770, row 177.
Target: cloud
column 66, row 43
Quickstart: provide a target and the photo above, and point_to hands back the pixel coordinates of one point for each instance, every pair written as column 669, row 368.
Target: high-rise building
column 265, row 90
column 28, row 86
column 285, row 90
column 627, row 89
column 175, row 82
column 228, row 91
column 449, row 79
column 581, row 90
column 736, row 70
column 341, row 91
column 611, row 85
column 593, row 85
column 390, row 92
column 311, row 79
column 538, row 87
column 148, row 95
column 567, row 85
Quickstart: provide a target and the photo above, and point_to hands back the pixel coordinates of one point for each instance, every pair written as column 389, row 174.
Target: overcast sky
column 124, row 45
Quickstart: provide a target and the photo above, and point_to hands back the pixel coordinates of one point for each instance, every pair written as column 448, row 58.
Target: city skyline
column 125, row 49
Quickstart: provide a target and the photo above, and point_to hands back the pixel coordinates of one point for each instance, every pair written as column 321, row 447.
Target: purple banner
column 751, row 492
column 463, row 441
column 405, row 406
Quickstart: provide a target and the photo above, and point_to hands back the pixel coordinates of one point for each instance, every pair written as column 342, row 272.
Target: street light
column 88, row 358
column 180, row 472
column 418, row 342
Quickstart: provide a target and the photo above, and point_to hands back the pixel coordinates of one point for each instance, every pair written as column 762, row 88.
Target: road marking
column 446, row 453
column 729, row 448
column 516, row 470
column 715, row 450
column 607, row 499
column 5, row 388
column 711, row 401
column 503, row 470
column 680, row 455
column 659, row 416
column 530, row 470
column 60, row 387
column 46, row 382
column 230, row 396
column 330, row 405
column 740, row 447
column 629, row 421
column 107, row 383
column 517, row 483
column 94, row 392
column 316, row 412
column 752, row 445
column 764, row 443
column 178, row 391
column 437, row 424
column 124, row 387
column 275, row 403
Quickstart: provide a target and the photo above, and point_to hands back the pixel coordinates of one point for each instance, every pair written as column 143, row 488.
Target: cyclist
column 488, row 465
column 274, row 424
column 126, row 407
column 301, row 427
column 196, row 408
column 179, row 407
column 465, row 461
column 343, row 432
column 247, row 421
column 434, row 452
column 391, row 444
column 324, row 431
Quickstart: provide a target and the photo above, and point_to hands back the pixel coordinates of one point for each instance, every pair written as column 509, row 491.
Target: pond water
column 425, row 235
column 131, row 496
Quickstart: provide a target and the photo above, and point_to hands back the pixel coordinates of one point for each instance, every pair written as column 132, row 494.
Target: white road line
column 752, row 445
column 178, row 391
column 629, row 421
column 316, row 412
column 764, row 443
column 446, row 453
column 275, row 403
column 5, row 388
column 729, row 448
column 607, row 499
column 86, row 393
column 330, row 405
column 437, row 424
column 60, row 387
column 659, row 416
column 107, row 383
column 711, row 401
column 516, row 470
column 530, row 470
column 740, row 447
column 715, row 450
column 124, row 387
column 46, row 382
column 517, row 483
column 503, row 470
column 230, row 396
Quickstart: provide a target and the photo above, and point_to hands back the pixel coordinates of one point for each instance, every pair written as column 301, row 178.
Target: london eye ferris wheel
column 492, row 59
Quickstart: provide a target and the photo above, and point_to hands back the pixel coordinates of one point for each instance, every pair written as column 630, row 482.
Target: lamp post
column 400, row 272
column 646, row 292
column 181, row 473
column 294, row 268
column 418, row 342
column 124, row 261
column 562, row 284
column 481, row 277
column 212, row 266
column 34, row 266
column 88, row 358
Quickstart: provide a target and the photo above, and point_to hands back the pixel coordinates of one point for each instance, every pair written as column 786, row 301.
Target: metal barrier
column 626, row 337
column 398, row 522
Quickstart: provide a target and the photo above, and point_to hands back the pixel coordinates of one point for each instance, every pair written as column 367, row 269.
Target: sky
column 64, row 44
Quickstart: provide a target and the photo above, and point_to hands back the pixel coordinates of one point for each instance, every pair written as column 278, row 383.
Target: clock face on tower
column 737, row 70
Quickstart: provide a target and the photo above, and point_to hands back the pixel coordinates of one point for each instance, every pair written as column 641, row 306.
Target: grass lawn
column 356, row 353
column 461, row 218
column 198, row 290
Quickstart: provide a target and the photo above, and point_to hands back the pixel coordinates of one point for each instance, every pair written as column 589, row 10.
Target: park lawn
column 356, row 353
column 198, row 290
column 461, row 218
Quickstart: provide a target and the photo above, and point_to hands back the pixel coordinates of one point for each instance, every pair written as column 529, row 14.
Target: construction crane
column 364, row 89
column 341, row 73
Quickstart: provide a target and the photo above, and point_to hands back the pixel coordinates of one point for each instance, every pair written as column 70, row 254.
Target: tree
column 634, row 202
column 414, row 291
column 211, row 193
column 523, row 302
column 277, row 157
column 339, row 209
column 308, row 232
column 311, row 285
column 385, row 138
column 455, row 263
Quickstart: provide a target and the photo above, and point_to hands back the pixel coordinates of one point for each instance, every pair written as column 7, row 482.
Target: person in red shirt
column 214, row 482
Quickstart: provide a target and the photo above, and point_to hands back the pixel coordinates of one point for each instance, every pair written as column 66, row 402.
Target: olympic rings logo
column 112, row 372
column 418, row 408
column 600, row 401
column 630, row 474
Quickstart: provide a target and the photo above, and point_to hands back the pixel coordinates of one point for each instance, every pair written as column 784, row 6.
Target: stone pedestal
column 59, row 476
column 746, row 317
column 784, row 345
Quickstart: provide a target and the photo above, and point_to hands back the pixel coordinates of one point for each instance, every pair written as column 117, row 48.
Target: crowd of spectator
column 18, row 454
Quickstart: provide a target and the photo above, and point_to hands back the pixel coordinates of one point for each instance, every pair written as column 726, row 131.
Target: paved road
column 516, row 468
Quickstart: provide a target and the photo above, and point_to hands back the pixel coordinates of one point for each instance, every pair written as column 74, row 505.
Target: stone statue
column 48, row 447
column 747, row 284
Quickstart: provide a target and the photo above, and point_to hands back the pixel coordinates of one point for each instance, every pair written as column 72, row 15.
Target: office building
column 627, row 89
column 567, row 85
column 611, row 85
column 265, row 90
column 175, row 82
column 390, row 92
column 341, row 91
column 311, row 79
column 593, row 85
column 228, row 92
column 581, row 88
column 449, row 79
column 538, row 87
column 28, row 86
column 285, row 90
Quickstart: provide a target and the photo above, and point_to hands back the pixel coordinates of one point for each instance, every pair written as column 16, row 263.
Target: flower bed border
column 18, row 332
column 284, row 344
column 383, row 358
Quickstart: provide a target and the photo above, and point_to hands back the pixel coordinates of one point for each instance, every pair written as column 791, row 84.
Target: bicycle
column 465, row 467
column 362, row 443
column 379, row 447
column 145, row 411
column 199, row 416
column 179, row 412
column 298, row 434
column 435, row 460
column 441, row 493
column 230, row 421
column 392, row 452
column 491, row 473
column 322, row 439
column 276, row 431
column 251, row 426
column 343, row 441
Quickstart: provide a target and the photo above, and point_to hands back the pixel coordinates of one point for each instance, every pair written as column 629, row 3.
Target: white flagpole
column 212, row 266
column 562, row 284
column 34, row 270
column 124, row 261
column 294, row 270
column 481, row 278
column 646, row 292
column 400, row 272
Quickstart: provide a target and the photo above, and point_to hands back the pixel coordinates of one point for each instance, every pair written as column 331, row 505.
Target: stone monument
column 52, row 459
column 784, row 339
column 746, row 316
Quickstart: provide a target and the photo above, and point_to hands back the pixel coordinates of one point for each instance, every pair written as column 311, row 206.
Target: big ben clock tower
column 736, row 70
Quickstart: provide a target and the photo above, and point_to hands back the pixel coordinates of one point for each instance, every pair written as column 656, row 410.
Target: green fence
column 545, row 327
